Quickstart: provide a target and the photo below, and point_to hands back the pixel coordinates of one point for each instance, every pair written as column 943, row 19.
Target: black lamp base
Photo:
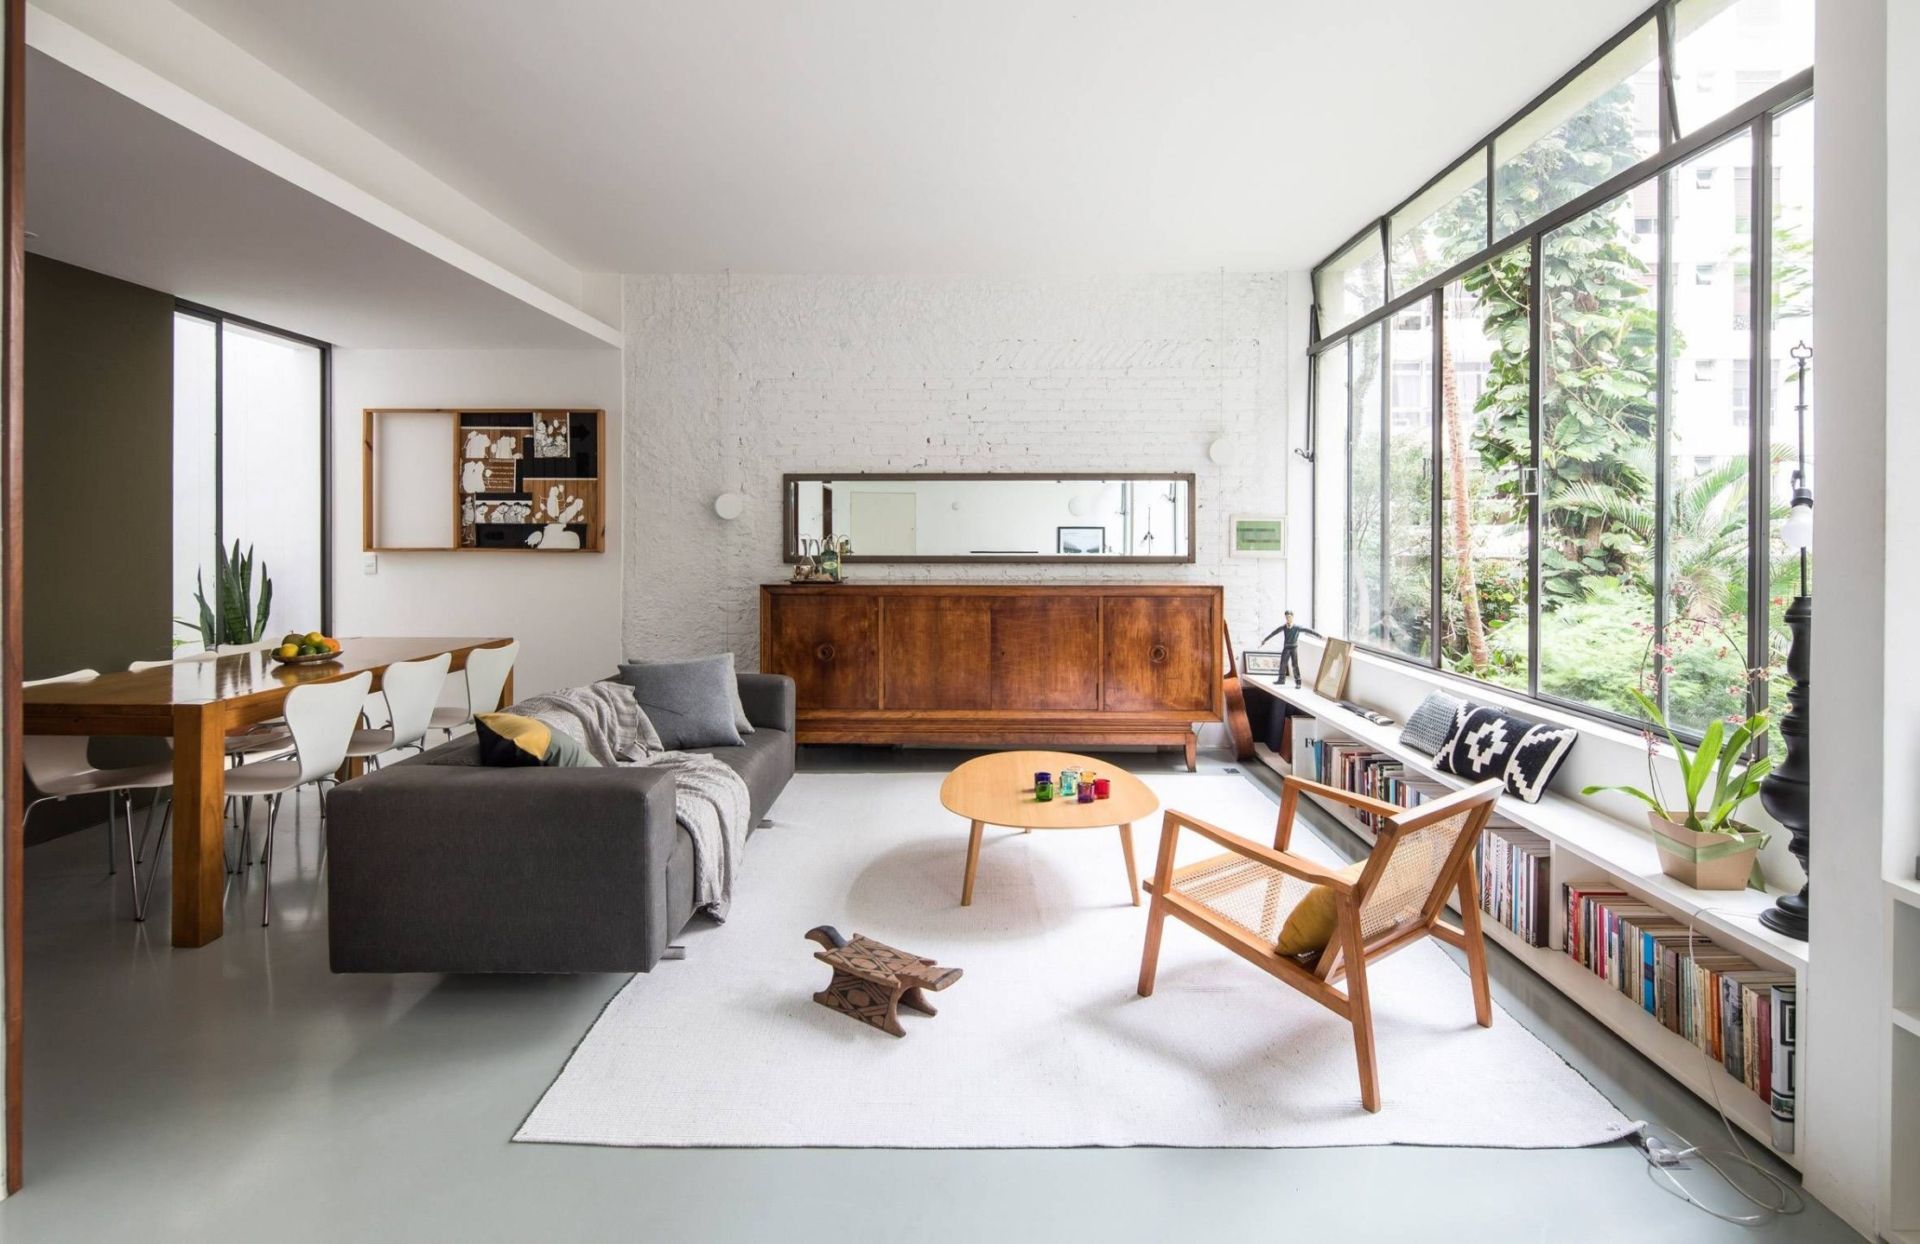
column 1788, row 915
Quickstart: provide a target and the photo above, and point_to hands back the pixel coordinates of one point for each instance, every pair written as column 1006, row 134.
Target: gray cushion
column 690, row 703
column 740, row 720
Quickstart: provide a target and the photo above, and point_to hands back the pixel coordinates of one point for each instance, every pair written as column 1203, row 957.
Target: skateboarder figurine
column 1290, row 645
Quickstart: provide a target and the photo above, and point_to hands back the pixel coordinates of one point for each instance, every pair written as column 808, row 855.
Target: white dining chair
column 60, row 769
column 321, row 716
column 411, row 689
column 486, row 678
column 260, row 739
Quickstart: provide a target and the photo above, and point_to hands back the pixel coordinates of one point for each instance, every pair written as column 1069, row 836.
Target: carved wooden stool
column 871, row 981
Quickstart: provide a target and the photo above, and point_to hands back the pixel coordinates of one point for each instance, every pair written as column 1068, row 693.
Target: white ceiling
column 914, row 136
column 117, row 188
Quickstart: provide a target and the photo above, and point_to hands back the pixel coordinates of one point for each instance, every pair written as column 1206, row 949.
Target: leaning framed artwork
column 1335, row 660
column 1260, row 664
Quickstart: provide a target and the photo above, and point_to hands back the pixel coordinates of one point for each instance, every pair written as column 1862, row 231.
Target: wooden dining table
column 198, row 704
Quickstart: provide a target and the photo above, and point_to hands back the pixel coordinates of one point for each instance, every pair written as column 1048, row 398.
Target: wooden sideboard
column 1015, row 665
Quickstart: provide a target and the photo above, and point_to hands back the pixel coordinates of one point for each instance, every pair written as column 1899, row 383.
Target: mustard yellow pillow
column 1310, row 925
column 508, row 740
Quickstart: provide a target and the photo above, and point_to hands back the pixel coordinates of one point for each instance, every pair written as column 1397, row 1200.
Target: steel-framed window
column 221, row 320
column 1755, row 118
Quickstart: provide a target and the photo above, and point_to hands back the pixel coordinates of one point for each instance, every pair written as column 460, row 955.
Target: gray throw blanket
column 711, row 801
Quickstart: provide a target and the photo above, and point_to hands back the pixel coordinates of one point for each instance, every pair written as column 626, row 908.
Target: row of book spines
column 1716, row 999
column 1351, row 765
column 1514, row 882
column 1354, row 766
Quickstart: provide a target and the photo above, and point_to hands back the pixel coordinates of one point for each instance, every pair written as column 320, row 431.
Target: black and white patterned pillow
column 1521, row 752
column 1432, row 724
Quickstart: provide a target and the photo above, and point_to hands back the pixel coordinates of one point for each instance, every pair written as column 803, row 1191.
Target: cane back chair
column 1243, row 898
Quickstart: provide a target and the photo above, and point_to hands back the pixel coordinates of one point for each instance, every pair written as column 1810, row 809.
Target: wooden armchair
column 1243, row 898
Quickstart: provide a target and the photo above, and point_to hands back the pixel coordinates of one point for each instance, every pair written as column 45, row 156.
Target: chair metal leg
column 153, row 869
column 146, row 830
column 266, row 856
column 133, row 871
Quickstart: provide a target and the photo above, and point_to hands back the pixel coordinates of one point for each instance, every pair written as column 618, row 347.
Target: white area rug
column 1043, row 1043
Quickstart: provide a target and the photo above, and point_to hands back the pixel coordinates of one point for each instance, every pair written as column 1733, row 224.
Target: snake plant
column 232, row 617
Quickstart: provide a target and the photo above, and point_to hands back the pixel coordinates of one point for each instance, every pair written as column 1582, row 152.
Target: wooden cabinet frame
column 596, row 517
column 833, row 640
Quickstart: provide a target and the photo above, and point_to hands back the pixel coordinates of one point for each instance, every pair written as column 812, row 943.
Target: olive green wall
column 99, row 484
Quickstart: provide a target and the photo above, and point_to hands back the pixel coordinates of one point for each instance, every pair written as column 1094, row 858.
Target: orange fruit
column 331, row 645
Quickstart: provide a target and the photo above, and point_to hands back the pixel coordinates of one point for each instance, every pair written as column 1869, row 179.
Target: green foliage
column 1714, row 776
column 231, row 617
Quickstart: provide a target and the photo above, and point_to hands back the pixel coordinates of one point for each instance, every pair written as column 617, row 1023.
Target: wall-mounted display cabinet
column 483, row 480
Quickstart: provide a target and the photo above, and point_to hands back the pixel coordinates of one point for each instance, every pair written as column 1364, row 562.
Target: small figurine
column 1289, row 645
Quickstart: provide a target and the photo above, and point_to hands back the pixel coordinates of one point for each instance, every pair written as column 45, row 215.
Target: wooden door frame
column 12, row 506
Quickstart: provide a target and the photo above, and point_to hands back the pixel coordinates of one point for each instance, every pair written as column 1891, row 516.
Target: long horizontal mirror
column 932, row 517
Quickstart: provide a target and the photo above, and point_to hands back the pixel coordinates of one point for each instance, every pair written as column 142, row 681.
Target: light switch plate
column 370, row 563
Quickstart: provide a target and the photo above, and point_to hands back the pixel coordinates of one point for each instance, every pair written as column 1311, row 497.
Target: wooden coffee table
column 998, row 790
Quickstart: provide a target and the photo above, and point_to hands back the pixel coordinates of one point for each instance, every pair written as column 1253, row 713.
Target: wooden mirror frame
column 789, row 520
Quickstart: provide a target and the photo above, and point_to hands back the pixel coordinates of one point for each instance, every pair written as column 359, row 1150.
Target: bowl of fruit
column 313, row 648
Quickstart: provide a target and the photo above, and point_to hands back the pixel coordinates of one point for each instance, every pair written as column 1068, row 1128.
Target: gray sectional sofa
column 440, row 864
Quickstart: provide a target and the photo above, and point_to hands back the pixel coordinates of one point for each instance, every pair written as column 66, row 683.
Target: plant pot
column 1705, row 861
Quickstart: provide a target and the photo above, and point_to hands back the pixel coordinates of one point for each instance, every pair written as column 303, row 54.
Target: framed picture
column 1331, row 680
column 1260, row 664
column 1081, row 541
column 1257, row 535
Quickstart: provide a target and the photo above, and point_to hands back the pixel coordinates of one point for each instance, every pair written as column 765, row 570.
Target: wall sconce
column 1220, row 452
column 729, row 505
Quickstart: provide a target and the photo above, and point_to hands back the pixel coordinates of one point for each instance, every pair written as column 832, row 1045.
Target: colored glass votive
column 1069, row 782
column 1102, row 787
column 1043, row 791
column 1042, row 776
column 1086, row 794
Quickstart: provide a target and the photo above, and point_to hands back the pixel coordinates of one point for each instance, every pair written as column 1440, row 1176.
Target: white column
column 1864, row 709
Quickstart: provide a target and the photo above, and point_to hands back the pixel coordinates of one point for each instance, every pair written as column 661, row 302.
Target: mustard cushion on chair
column 1310, row 924
column 508, row 740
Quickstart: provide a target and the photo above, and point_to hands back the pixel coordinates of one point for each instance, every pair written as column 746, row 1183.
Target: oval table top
column 998, row 789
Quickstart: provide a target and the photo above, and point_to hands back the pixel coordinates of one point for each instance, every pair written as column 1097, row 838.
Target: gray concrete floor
column 242, row 1092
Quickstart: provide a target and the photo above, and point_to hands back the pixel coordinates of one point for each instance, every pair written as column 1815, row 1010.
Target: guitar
column 1238, row 727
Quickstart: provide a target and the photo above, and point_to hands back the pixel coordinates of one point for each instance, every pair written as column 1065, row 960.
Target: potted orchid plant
column 1701, row 841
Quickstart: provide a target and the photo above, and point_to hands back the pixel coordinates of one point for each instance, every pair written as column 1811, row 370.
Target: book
column 1781, row 1085
column 1731, row 1010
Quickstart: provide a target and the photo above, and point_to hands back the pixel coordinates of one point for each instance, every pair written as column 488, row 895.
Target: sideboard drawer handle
column 824, row 652
column 1157, row 653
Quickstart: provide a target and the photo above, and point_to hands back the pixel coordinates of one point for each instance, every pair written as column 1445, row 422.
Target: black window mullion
column 1386, row 259
column 1536, row 369
column 1493, row 170
column 1352, row 439
column 219, row 473
column 1436, row 561
column 1667, row 103
column 1760, row 418
column 1662, row 373
column 1384, row 389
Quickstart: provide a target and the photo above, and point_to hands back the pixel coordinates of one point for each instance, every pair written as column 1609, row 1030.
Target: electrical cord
column 1663, row 1159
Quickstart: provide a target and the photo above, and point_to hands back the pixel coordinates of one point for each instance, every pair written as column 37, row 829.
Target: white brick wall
column 732, row 380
